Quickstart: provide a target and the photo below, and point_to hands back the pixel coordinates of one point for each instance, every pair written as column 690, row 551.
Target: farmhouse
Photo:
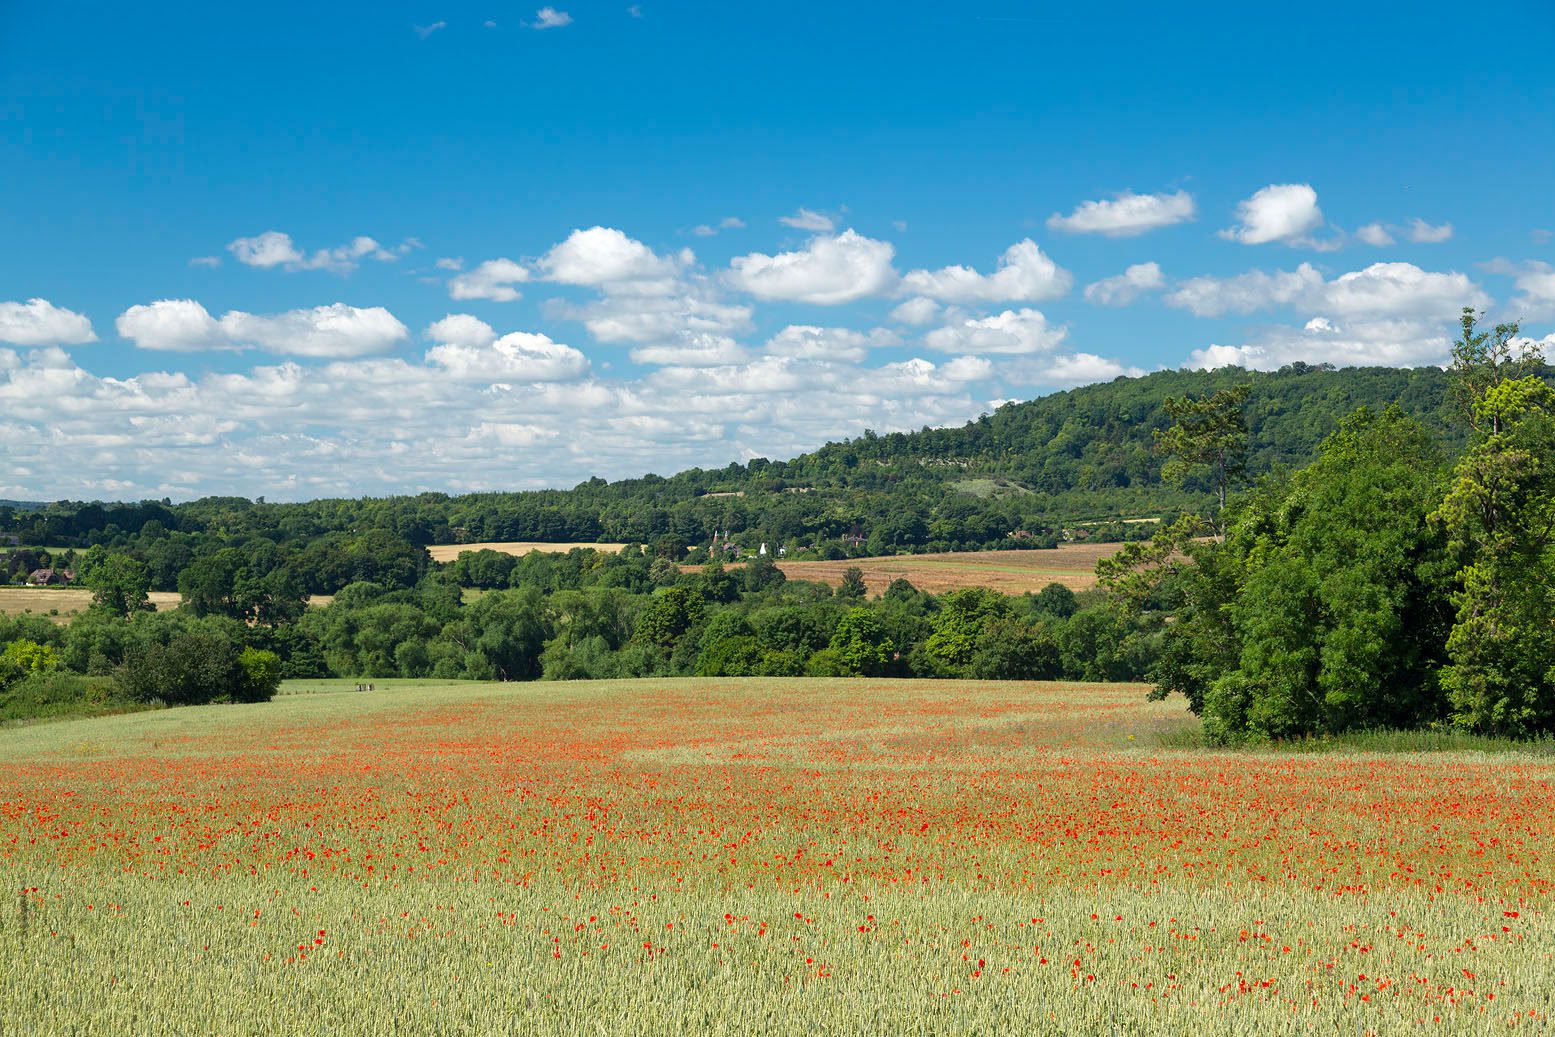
column 50, row 577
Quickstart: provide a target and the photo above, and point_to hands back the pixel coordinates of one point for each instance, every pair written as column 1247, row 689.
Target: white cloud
column 337, row 330
column 1397, row 290
column 1390, row 343
column 1024, row 274
column 516, row 357
column 1280, row 212
column 807, row 219
column 38, row 322
column 1013, row 331
column 1424, row 233
column 1126, row 215
column 209, row 262
column 493, row 279
column 1535, row 283
column 603, row 257
column 808, row 342
column 454, row 263
column 1378, row 291
column 276, row 249
column 1375, row 234
column 657, row 318
column 693, row 350
column 916, row 311
column 708, row 230
column 1068, row 370
column 1124, row 288
column 828, row 271
column 461, row 329
column 176, row 325
column 551, row 18
column 426, row 30
column 1244, row 293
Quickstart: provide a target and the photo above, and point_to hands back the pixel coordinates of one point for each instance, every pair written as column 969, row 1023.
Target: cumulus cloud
column 1068, row 370
column 1244, row 293
column 276, row 249
column 38, row 322
column 1013, row 331
column 916, row 311
column 550, row 18
column 1285, row 213
column 1535, row 284
column 603, row 257
column 827, row 271
column 493, row 279
column 461, row 329
column 1124, row 288
column 175, row 325
column 1024, row 274
column 1379, row 290
column 1391, row 343
column 1424, row 233
column 1375, row 234
column 808, row 342
column 515, row 357
column 807, row 219
column 693, row 350
column 336, row 330
column 1126, row 215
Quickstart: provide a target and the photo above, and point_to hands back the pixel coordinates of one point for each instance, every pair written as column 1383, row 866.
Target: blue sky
column 333, row 249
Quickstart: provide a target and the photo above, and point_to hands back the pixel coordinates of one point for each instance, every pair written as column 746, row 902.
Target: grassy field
column 1011, row 572
column 730, row 856
column 448, row 552
column 67, row 601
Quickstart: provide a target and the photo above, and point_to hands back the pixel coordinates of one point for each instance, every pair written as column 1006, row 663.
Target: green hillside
column 1080, row 460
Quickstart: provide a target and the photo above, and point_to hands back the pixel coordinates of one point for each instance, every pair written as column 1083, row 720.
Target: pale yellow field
column 448, row 552
column 1011, row 572
column 67, row 600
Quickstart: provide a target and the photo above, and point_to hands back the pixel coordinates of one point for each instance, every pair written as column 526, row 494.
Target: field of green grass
column 758, row 856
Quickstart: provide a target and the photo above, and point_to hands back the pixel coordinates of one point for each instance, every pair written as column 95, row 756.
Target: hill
column 1077, row 464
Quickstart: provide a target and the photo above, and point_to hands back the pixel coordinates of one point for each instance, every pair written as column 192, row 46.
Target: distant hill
column 1080, row 460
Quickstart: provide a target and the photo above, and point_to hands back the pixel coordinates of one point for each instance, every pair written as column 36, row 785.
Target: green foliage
column 959, row 625
column 852, row 586
column 1500, row 515
column 669, row 616
column 1208, row 433
column 861, row 647
column 24, row 658
column 119, row 583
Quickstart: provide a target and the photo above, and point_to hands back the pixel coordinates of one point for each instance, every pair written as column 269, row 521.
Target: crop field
column 1009, row 572
column 754, row 856
column 67, row 601
column 448, row 552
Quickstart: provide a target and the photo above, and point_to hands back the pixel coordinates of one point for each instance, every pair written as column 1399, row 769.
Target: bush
column 197, row 667
column 49, row 693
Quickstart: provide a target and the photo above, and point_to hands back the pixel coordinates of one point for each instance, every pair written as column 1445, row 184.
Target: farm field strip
column 1012, row 572
column 67, row 600
column 729, row 855
column 448, row 552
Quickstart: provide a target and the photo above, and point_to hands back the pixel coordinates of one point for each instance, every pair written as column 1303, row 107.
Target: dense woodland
column 1338, row 550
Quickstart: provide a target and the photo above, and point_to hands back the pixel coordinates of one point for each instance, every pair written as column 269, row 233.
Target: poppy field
column 762, row 855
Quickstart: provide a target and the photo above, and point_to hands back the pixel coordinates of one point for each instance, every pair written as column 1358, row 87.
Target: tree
column 1483, row 360
column 852, row 586
column 1337, row 608
column 861, row 647
column 119, row 583
column 672, row 613
column 1500, row 515
column 1211, row 433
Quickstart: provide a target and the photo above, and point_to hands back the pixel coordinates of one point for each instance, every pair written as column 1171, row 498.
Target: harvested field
column 72, row 600
column 1012, row 572
column 448, row 552
column 757, row 856
column 67, row 600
